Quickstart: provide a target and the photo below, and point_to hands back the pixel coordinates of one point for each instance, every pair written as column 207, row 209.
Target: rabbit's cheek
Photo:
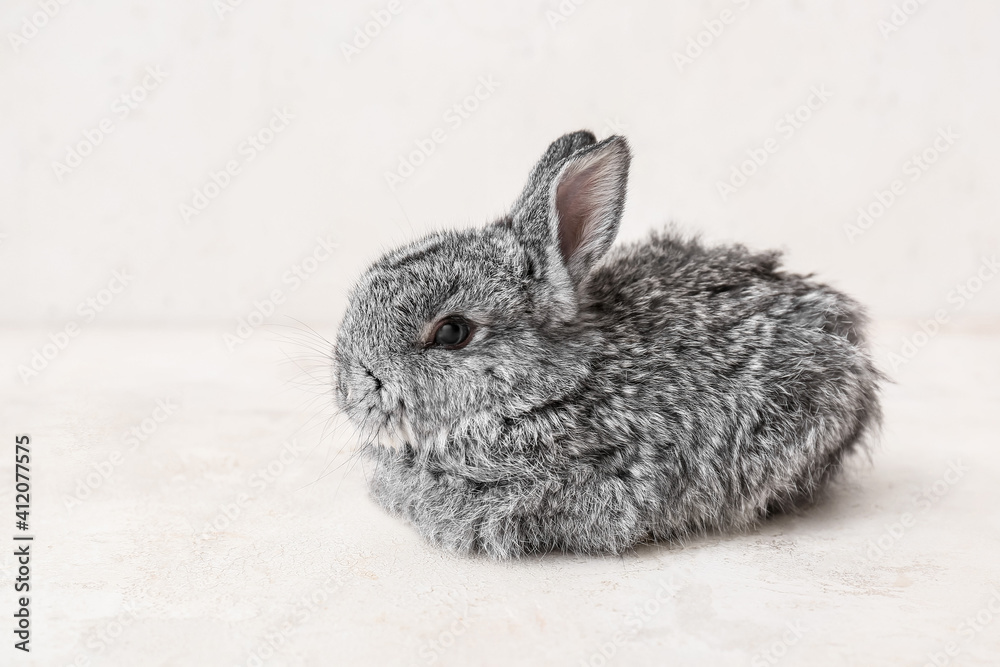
column 391, row 436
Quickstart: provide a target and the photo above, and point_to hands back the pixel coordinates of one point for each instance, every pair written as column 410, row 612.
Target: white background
column 189, row 492
column 608, row 64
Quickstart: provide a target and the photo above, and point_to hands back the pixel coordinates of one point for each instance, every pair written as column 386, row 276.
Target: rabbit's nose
column 359, row 382
column 364, row 385
column 354, row 381
column 374, row 381
column 343, row 388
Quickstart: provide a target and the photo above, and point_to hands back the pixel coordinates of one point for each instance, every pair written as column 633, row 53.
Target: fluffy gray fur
column 608, row 396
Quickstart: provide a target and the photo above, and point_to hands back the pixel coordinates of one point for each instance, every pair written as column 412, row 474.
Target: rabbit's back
column 750, row 383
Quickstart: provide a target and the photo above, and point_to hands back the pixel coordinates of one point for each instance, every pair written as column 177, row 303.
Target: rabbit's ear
column 546, row 167
column 586, row 199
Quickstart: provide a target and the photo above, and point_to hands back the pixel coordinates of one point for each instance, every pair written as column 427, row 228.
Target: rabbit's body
column 667, row 389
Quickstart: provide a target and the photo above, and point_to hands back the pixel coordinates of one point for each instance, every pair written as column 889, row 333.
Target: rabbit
column 525, row 388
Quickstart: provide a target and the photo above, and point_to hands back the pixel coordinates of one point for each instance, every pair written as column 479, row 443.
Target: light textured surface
column 139, row 540
column 202, row 595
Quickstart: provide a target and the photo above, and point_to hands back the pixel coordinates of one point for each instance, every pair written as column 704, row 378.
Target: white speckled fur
column 608, row 397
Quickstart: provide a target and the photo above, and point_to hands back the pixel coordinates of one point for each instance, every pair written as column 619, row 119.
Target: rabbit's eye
column 452, row 333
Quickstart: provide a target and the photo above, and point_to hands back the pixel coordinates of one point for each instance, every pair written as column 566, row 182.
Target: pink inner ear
column 575, row 204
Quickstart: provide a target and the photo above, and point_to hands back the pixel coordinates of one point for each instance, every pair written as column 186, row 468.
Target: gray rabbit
column 523, row 387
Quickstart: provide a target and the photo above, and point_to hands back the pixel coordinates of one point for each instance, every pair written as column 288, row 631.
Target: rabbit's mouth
column 396, row 432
